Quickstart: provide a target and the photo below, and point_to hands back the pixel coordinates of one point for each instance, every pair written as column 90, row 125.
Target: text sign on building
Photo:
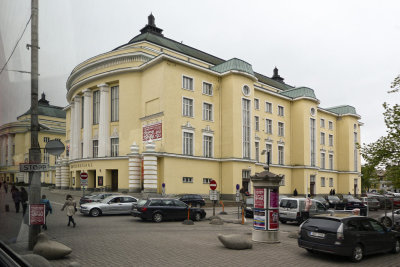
column 152, row 131
column 37, row 214
column 41, row 167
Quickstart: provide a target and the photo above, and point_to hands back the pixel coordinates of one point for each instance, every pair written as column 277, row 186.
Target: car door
column 181, row 210
column 370, row 237
column 127, row 204
column 115, row 205
column 384, row 241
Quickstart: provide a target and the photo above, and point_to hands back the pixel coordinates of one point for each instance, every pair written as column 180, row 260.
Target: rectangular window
column 355, row 153
column 322, row 123
column 207, row 112
column 281, row 111
column 257, row 123
column 46, row 139
column 268, row 126
column 245, row 174
column 96, row 106
column 188, row 143
column 330, row 140
column 268, row 153
column 330, row 125
column 330, row 182
column 187, row 179
column 268, row 107
column 322, row 181
column 187, row 107
column 246, row 128
column 187, row 83
column 322, row 160
column 115, row 103
column 207, row 88
column 114, row 147
column 257, row 151
column 281, row 155
column 95, row 148
column 207, row 180
column 46, row 156
column 256, row 103
column 281, row 129
column 322, row 138
column 312, row 142
column 207, row 146
column 330, row 161
column 82, row 111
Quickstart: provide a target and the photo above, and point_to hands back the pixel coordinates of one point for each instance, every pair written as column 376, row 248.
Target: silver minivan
column 291, row 209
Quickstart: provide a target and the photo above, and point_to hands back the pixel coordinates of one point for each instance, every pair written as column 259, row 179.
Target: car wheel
column 358, row 253
column 396, row 248
column 157, row 217
column 197, row 216
column 94, row 212
column 386, row 221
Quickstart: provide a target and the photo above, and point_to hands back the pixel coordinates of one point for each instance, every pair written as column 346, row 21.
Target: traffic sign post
column 84, row 181
column 163, row 189
column 213, row 194
column 238, row 197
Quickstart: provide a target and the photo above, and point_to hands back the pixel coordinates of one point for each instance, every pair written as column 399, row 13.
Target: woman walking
column 70, row 207
column 16, row 195
column 48, row 209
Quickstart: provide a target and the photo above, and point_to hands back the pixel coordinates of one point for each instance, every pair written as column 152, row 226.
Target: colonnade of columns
column 6, row 148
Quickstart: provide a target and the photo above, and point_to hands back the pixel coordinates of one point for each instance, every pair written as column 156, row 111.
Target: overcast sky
column 347, row 51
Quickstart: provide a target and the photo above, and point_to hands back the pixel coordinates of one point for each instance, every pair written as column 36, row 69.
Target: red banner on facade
column 152, row 131
column 37, row 214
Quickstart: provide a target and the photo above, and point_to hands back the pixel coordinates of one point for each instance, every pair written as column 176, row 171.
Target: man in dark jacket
column 24, row 200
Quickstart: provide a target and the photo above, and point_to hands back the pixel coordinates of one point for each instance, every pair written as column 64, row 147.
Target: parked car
column 382, row 200
column 291, row 209
column 249, row 207
column 353, row 203
column 160, row 209
column 193, row 200
column 372, row 203
column 97, row 197
column 388, row 219
column 352, row 236
column 116, row 204
column 333, row 200
column 322, row 200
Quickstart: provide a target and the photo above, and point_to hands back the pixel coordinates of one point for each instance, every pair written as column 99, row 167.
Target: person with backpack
column 48, row 209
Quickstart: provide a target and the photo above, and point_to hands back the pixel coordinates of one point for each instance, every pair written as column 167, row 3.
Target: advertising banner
column 259, row 198
column 37, row 214
column 273, row 219
column 100, row 180
column 260, row 219
column 152, row 131
column 273, row 199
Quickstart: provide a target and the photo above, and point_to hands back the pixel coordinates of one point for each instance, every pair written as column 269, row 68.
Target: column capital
column 87, row 92
column 103, row 87
column 77, row 98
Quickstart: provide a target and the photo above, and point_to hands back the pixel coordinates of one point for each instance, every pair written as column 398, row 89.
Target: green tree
column 369, row 177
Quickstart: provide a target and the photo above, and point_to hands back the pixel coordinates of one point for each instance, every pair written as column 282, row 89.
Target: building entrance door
column 312, row 185
column 114, row 180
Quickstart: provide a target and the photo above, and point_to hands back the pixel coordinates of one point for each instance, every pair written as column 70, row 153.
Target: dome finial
column 276, row 76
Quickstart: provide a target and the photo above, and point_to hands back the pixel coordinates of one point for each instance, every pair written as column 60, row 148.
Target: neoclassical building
column 156, row 112
column 15, row 141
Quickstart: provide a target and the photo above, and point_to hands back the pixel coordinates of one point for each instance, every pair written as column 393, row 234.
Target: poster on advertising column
column 273, row 219
column 260, row 198
column 273, row 199
column 260, row 219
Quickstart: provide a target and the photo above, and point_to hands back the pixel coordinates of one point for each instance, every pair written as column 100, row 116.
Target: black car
column 193, row 200
column 354, row 203
column 333, row 201
column 353, row 236
column 249, row 207
column 160, row 209
column 94, row 197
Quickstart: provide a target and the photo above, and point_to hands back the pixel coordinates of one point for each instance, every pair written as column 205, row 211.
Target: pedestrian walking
column 70, row 207
column 24, row 200
column 16, row 196
column 6, row 187
column 306, row 212
column 48, row 209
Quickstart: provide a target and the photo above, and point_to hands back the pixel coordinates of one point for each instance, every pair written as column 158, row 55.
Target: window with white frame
column 268, row 126
column 46, row 156
column 187, row 107
column 207, row 180
column 281, row 155
column 207, row 146
column 256, row 103
column 188, row 143
column 95, row 148
column 96, row 106
column 245, row 174
column 330, row 125
column 322, row 181
column 281, row 111
column 281, row 129
column 330, row 161
column 82, row 112
column 312, row 142
column 268, row 153
column 246, row 128
column 257, row 151
column 282, row 182
column 115, row 103
column 330, row 140
column 207, row 88
column 322, row 160
column 46, row 139
column 322, row 138
column 257, row 123
column 268, row 107
column 207, row 112
column 187, row 83
column 322, row 123
column 187, row 179
column 114, row 147
column 330, row 182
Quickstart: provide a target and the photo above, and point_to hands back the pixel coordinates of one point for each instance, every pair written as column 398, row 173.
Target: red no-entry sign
column 84, row 175
column 213, row 185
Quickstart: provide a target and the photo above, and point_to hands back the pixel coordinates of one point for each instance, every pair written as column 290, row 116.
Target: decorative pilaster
column 64, row 174
column 71, row 132
column 104, row 121
column 10, row 142
column 77, row 126
column 58, row 173
column 135, row 164
column 150, row 168
column 87, row 123
column 3, row 150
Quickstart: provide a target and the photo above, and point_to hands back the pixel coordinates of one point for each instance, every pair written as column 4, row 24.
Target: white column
column 150, row 168
column 71, row 132
column 9, row 148
column 58, row 173
column 3, row 151
column 87, row 123
column 77, row 126
column 64, row 174
column 104, row 121
column 135, row 167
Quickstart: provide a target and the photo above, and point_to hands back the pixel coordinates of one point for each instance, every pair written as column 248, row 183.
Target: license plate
column 315, row 234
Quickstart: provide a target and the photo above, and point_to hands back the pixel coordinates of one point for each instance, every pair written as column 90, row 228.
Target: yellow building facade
column 15, row 142
column 155, row 113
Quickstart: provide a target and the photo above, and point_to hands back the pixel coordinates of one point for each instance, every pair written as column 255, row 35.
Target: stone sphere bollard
column 49, row 249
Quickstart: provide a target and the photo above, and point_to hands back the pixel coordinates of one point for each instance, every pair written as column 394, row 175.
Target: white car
column 116, row 204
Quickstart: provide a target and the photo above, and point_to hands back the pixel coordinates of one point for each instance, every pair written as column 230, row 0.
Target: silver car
column 388, row 219
column 117, row 204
